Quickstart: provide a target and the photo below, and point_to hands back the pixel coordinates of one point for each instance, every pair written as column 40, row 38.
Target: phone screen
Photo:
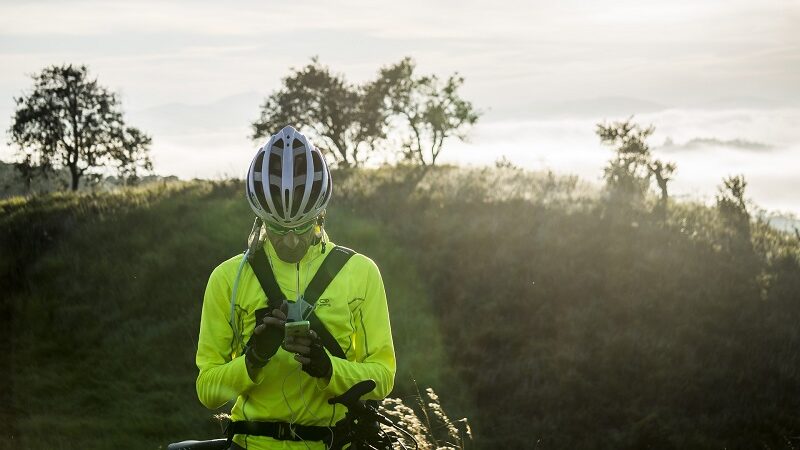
column 298, row 329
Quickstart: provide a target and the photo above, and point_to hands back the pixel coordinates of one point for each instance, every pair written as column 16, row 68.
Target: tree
column 69, row 120
column 28, row 171
column 346, row 120
column 629, row 173
column 131, row 156
column 663, row 173
column 732, row 205
column 428, row 109
column 351, row 120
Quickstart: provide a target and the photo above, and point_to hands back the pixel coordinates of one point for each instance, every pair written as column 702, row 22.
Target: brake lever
column 351, row 397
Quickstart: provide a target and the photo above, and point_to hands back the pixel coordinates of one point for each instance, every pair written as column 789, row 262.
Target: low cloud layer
column 706, row 143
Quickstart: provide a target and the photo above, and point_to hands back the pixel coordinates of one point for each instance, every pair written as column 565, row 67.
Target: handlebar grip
column 353, row 394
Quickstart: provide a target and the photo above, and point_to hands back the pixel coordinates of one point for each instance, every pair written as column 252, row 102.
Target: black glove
column 320, row 364
column 266, row 338
column 310, row 353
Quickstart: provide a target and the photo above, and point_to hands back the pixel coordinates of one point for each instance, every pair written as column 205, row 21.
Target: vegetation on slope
column 586, row 323
column 104, row 294
column 551, row 316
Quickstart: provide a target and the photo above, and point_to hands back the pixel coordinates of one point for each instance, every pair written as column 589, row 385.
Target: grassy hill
column 103, row 294
column 553, row 318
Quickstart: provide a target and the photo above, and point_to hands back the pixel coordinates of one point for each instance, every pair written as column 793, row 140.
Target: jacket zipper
column 298, row 282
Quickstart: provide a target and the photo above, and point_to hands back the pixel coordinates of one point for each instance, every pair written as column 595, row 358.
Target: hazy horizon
column 718, row 78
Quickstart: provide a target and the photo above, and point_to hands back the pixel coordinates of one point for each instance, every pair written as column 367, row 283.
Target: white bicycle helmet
column 288, row 182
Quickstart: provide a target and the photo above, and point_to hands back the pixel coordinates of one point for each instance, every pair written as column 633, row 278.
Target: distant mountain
column 236, row 111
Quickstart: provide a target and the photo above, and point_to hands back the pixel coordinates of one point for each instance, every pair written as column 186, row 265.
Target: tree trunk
column 76, row 176
column 664, row 198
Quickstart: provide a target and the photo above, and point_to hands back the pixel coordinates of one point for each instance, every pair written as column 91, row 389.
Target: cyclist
column 285, row 381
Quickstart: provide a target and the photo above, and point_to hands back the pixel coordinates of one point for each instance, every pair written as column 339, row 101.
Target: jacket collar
column 313, row 252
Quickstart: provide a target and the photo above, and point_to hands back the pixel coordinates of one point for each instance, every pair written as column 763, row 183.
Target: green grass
column 545, row 313
column 578, row 322
column 416, row 332
column 106, row 318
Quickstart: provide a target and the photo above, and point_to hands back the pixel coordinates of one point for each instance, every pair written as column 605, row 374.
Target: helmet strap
column 320, row 230
column 254, row 240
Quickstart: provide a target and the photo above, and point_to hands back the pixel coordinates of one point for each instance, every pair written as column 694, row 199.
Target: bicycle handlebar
column 351, row 398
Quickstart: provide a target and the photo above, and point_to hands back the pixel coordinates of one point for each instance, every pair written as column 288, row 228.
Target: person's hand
column 267, row 338
column 310, row 353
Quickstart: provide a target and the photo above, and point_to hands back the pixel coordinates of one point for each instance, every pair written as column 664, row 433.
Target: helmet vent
column 258, row 181
column 288, row 182
column 274, row 164
column 275, row 193
column 297, row 199
column 299, row 166
column 316, row 187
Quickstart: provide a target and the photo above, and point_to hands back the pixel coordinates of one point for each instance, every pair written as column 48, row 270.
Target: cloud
column 705, row 143
column 95, row 18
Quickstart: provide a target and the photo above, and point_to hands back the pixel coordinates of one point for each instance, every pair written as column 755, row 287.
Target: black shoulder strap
column 333, row 263
column 260, row 265
column 336, row 259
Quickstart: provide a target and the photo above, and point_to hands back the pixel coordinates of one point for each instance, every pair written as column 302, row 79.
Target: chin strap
column 321, row 231
column 254, row 240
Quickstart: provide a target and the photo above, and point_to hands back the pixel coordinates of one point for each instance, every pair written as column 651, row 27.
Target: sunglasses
column 282, row 231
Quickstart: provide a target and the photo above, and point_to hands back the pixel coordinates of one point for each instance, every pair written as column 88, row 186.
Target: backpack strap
column 261, row 267
column 336, row 259
column 333, row 263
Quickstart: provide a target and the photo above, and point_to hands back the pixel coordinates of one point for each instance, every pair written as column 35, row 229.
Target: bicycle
column 360, row 428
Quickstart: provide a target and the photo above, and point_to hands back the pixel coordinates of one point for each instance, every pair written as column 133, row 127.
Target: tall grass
column 427, row 424
column 105, row 311
column 103, row 294
column 549, row 316
column 582, row 323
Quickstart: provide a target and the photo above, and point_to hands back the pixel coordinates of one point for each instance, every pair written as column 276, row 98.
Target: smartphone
column 297, row 329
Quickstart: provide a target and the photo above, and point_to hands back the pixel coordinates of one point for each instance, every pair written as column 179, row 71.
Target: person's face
column 291, row 244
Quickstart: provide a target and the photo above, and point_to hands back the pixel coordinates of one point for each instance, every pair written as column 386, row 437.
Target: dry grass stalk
column 435, row 430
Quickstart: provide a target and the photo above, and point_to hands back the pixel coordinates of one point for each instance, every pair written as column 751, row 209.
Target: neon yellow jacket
column 353, row 308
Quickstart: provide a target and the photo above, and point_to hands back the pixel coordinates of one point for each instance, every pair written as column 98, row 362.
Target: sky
column 718, row 79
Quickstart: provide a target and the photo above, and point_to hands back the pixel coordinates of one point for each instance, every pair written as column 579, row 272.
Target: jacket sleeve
column 222, row 377
column 374, row 350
